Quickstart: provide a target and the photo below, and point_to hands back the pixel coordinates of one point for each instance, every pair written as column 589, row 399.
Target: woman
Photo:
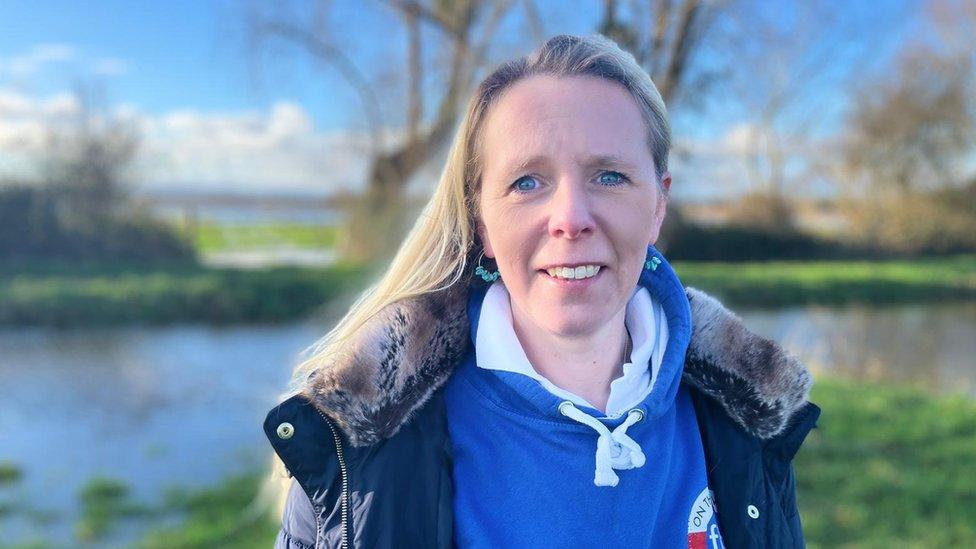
column 530, row 372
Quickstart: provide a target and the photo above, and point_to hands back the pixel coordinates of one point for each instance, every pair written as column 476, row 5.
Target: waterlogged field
column 886, row 467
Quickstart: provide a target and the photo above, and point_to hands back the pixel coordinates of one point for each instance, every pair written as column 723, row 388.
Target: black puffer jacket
column 367, row 442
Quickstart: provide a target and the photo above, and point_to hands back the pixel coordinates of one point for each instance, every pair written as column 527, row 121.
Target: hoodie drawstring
column 614, row 450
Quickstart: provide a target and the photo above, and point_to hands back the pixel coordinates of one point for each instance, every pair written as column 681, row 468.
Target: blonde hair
column 443, row 242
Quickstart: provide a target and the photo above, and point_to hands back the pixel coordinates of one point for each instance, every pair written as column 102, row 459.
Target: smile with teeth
column 574, row 273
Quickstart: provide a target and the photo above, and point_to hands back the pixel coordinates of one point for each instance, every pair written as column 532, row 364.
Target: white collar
column 498, row 348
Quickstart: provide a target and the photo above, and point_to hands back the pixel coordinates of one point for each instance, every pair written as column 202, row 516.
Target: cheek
column 634, row 220
column 509, row 230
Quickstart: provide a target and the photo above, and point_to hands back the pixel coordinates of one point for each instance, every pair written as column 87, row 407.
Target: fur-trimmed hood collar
column 409, row 349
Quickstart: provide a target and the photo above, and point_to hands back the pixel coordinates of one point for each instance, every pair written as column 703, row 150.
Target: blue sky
column 219, row 115
column 176, row 54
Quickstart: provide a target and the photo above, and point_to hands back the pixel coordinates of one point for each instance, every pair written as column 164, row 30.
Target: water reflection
column 153, row 407
column 930, row 346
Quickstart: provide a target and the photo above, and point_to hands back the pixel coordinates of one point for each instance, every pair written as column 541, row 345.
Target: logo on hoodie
column 703, row 523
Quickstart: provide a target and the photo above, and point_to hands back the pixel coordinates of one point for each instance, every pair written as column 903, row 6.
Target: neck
column 582, row 363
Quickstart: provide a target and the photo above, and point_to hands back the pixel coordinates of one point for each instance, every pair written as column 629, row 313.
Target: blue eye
column 615, row 178
column 520, row 186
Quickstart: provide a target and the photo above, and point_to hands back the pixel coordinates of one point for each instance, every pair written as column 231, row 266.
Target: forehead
column 562, row 118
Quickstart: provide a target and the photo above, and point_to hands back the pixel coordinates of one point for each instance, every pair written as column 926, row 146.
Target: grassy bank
column 774, row 284
column 888, row 467
column 61, row 294
column 67, row 295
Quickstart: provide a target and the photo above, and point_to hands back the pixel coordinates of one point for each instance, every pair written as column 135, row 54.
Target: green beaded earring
column 652, row 263
column 483, row 273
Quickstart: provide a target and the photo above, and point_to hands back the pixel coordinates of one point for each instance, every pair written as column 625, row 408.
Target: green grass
column 103, row 502
column 888, row 467
column 214, row 237
column 87, row 294
column 774, row 284
column 216, row 517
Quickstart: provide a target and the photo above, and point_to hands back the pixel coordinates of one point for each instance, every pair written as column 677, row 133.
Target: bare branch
column 534, row 20
column 335, row 57
column 684, row 38
column 662, row 12
column 438, row 20
column 415, row 75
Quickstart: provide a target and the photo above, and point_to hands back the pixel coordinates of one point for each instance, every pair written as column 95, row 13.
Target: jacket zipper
column 344, row 496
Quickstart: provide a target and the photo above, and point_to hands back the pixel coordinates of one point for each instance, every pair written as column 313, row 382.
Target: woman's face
column 568, row 181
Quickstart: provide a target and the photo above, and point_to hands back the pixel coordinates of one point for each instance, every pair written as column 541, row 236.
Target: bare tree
column 664, row 36
column 911, row 139
column 792, row 58
column 911, row 134
column 451, row 39
column 88, row 156
column 462, row 31
column 914, row 129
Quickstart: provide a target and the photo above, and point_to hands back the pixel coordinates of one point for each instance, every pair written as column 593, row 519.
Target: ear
column 661, row 208
column 666, row 181
column 483, row 236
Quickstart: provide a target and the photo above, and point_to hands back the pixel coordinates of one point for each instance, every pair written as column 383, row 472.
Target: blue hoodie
column 524, row 458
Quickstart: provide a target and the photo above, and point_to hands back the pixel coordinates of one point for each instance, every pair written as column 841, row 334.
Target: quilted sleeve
column 297, row 521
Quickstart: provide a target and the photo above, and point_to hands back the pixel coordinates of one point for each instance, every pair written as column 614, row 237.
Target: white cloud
column 740, row 139
column 110, row 66
column 277, row 149
column 32, row 62
column 274, row 149
column 53, row 52
column 60, row 105
column 718, row 167
column 289, row 120
column 13, row 104
column 44, row 59
column 24, row 120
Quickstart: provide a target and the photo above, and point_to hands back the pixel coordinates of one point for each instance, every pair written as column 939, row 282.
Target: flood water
column 153, row 407
column 157, row 407
column 928, row 346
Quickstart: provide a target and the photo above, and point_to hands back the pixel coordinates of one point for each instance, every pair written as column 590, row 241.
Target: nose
column 570, row 215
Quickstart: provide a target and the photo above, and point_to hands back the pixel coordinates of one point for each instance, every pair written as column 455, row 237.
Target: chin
column 571, row 326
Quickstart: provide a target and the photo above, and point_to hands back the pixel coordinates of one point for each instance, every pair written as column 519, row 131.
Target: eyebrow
column 600, row 160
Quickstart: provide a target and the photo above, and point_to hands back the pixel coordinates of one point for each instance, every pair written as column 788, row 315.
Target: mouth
column 574, row 275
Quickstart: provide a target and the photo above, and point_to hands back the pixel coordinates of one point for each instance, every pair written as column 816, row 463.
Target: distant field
column 214, row 237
